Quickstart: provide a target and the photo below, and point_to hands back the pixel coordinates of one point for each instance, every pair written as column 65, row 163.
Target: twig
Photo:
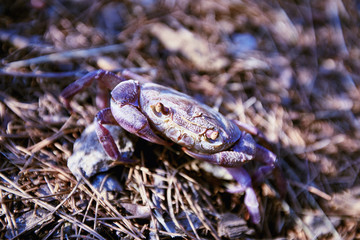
column 47, row 141
column 332, row 10
column 67, row 55
column 3, row 72
column 19, row 41
column 106, row 203
column 21, row 193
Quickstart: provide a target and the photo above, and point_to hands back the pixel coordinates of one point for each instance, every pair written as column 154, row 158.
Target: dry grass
column 299, row 85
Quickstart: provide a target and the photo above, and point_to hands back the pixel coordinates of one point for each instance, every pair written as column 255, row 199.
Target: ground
column 289, row 68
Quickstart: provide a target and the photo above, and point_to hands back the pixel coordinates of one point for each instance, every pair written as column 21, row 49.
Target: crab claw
column 232, row 162
column 224, row 158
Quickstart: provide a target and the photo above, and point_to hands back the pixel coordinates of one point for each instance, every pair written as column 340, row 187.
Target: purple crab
column 158, row 114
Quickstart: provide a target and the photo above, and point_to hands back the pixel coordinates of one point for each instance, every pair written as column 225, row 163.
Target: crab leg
column 265, row 156
column 251, row 129
column 224, row 158
column 244, row 150
column 106, row 81
column 232, row 161
column 107, row 141
column 268, row 158
column 271, row 166
column 244, row 180
column 237, row 158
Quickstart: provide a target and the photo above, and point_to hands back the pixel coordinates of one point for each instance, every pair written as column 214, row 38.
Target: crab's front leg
column 105, row 138
column 232, row 161
column 265, row 156
column 243, row 151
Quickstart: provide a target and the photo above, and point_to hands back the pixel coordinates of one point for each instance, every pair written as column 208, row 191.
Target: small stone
column 89, row 158
column 233, row 227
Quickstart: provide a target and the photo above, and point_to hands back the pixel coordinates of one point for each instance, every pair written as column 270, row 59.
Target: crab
column 162, row 115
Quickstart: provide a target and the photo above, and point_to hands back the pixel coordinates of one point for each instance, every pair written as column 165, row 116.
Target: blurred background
column 289, row 68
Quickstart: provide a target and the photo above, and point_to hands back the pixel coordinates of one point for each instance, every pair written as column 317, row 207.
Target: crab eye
column 211, row 134
column 160, row 108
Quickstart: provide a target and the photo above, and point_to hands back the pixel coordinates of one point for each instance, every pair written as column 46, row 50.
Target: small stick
column 67, row 55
